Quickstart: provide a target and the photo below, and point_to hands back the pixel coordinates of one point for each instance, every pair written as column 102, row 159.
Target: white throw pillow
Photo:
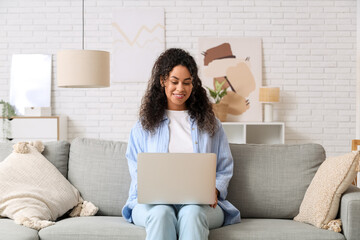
column 32, row 191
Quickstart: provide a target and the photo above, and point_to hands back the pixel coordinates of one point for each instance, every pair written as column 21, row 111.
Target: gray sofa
column 268, row 185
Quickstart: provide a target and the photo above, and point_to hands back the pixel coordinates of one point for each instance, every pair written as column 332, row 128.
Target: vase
column 220, row 110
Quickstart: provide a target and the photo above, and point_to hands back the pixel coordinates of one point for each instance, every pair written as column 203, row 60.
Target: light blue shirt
column 141, row 140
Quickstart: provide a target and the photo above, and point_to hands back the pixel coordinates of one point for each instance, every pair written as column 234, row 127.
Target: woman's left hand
column 216, row 199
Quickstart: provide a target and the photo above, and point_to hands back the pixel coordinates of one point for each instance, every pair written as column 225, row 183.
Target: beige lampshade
column 83, row 69
column 269, row 94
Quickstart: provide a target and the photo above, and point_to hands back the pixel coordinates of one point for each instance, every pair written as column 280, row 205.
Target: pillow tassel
column 21, row 147
column 33, row 223
column 38, row 145
column 76, row 210
column 333, row 225
column 83, row 209
column 88, row 209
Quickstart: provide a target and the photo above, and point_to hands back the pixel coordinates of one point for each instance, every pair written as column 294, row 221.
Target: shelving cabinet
column 255, row 132
column 46, row 129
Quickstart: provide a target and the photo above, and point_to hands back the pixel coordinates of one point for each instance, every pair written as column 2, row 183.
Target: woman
column 176, row 116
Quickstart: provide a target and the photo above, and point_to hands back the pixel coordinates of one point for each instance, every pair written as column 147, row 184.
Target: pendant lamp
column 83, row 68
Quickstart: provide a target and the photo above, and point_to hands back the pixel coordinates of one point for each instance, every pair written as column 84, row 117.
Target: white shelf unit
column 255, row 132
column 53, row 128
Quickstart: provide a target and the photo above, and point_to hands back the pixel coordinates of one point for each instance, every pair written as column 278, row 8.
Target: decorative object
column 38, row 111
column 321, row 201
column 83, row 68
column 238, row 63
column 7, row 112
column 27, row 198
column 139, row 38
column 220, row 109
column 269, row 95
column 219, row 92
column 30, row 84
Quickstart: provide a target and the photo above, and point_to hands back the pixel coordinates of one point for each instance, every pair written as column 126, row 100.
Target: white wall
column 308, row 50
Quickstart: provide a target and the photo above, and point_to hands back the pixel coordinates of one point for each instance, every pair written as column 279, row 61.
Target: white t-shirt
column 180, row 132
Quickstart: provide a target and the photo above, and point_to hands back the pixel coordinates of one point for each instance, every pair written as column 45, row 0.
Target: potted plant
column 219, row 108
column 7, row 113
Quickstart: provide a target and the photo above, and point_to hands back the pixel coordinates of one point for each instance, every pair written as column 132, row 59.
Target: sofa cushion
column 93, row 228
column 270, row 181
column 273, row 229
column 99, row 170
column 56, row 152
column 322, row 198
column 32, row 190
column 10, row 230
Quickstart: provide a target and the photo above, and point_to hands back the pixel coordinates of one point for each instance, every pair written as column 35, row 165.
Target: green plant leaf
column 222, row 94
column 212, row 93
column 218, row 93
column 218, row 86
column 8, row 111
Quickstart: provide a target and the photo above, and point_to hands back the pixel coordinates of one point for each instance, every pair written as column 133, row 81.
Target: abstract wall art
column 238, row 63
column 138, row 39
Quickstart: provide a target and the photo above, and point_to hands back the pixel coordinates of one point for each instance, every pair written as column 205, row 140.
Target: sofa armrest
column 350, row 213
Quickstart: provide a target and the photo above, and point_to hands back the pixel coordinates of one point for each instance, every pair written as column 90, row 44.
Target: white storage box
column 38, row 111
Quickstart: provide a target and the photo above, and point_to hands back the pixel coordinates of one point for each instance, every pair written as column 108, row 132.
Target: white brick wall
column 308, row 50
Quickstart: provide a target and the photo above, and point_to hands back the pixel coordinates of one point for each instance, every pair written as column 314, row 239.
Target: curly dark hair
column 154, row 102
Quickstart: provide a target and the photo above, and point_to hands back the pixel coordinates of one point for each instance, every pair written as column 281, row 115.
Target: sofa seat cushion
column 96, row 227
column 10, row 230
column 273, row 229
column 270, row 181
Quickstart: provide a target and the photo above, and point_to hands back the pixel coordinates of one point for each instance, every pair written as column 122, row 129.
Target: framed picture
column 236, row 63
column 139, row 38
column 30, row 84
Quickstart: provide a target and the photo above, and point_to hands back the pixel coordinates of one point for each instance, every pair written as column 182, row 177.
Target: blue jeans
column 186, row 221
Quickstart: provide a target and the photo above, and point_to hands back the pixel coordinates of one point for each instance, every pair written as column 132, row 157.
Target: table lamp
column 269, row 95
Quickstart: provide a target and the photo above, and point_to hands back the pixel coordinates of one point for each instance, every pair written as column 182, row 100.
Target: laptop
column 176, row 178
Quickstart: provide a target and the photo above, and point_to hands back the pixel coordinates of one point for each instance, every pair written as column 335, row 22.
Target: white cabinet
column 37, row 128
column 255, row 132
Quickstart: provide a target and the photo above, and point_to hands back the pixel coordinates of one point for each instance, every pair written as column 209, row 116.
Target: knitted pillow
column 321, row 201
column 33, row 192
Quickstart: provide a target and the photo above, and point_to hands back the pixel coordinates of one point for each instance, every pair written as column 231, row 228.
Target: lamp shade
column 269, row 94
column 83, row 69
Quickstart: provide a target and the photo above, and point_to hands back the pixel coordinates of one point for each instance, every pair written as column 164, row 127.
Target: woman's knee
column 161, row 213
column 192, row 213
